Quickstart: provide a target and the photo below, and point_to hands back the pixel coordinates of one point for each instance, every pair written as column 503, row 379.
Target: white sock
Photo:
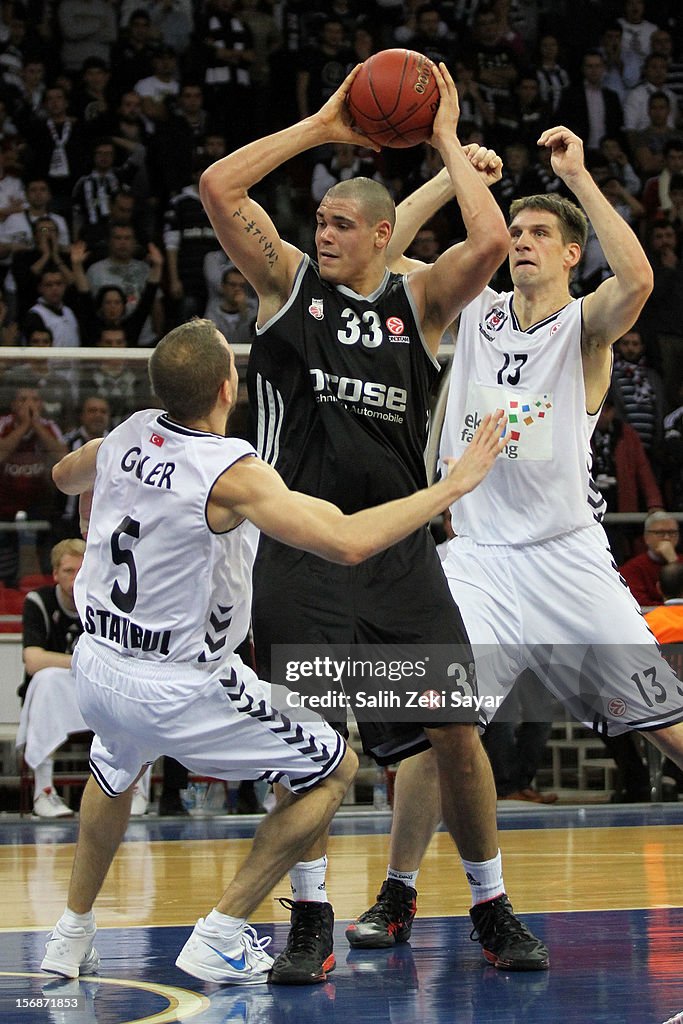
column 485, row 878
column 307, row 879
column 71, row 922
column 408, row 878
column 42, row 776
column 226, row 926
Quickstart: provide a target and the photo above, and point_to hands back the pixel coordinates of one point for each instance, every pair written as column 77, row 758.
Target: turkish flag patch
column 157, row 439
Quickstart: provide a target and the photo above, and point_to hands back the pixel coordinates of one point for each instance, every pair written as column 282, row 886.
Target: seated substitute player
column 339, row 379
column 170, row 492
column 530, row 566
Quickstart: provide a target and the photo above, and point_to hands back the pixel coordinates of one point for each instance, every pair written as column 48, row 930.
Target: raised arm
column 443, row 288
column 253, row 490
column 615, row 305
column 419, row 207
column 244, row 229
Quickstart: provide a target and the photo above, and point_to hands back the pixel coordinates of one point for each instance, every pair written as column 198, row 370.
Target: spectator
column 648, row 145
column 28, row 98
column 474, row 109
column 496, row 65
column 622, row 70
column 49, row 311
column 222, row 60
column 622, row 472
column 94, row 420
column 50, row 628
column 639, row 392
column 125, row 389
column 132, row 53
column 12, row 194
column 28, row 265
column 163, row 84
column 429, row 36
column 188, row 237
column 171, row 21
column 618, row 165
column 125, row 126
column 94, row 192
column 30, row 445
column 55, row 386
column 344, row 162
column 636, row 115
column 88, row 29
column 656, row 197
column 108, row 307
column 588, row 108
column 666, row 620
column 552, row 77
column 122, row 269
column 93, row 97
column 637, row 30
column 321, row 67
column 55, row 148
column 16, row 232
column 523, row 117
column 662, row 317
column 235, row 315
column 642, row 572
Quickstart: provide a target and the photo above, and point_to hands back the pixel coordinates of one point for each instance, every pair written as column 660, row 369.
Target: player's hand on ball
column 446, row 119
column 336, row 120
column 482, row 451
column 485, row 161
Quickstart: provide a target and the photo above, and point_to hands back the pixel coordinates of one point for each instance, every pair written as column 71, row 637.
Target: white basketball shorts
column 561, row 608
column 218, row 723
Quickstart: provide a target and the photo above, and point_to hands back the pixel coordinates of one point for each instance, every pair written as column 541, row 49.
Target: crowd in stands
column 111, row 109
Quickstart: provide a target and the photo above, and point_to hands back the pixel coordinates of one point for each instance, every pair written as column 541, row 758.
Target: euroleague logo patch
column 617, row 707
column 316, row 309
column 396, row 327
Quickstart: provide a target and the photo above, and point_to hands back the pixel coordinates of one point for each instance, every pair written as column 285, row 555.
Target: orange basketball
column 394, row 97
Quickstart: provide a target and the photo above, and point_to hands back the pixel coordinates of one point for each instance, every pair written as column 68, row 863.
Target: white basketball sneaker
column 70, row 955
column 243, row 961
column 48, row 804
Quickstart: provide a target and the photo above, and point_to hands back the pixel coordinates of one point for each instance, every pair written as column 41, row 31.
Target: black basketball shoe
column 389, row 921
column 506, row 942
column 308, row 955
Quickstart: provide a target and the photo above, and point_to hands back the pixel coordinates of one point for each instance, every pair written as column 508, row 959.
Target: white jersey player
column 530, row 567
column 164, row 593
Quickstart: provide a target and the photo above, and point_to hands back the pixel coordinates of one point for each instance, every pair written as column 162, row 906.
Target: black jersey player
column 339, row 380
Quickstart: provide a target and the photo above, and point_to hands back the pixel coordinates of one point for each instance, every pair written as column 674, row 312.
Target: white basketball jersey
column 156, row 582
column 540, row 486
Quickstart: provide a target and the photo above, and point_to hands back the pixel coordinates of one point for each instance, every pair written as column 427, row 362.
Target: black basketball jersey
column 339, row 391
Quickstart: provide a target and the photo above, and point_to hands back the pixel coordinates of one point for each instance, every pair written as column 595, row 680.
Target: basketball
column 394, row 97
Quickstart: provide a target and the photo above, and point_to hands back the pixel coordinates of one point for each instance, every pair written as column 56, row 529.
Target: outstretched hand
column 448, row 114
column 485, row 161
column 566, row 151
column 335, row 118
column 482, row 451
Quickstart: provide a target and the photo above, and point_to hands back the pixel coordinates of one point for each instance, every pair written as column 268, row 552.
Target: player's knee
column 346, row 772
column 458, row 741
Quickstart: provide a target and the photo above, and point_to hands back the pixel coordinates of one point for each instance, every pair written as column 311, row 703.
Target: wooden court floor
column 602, row 886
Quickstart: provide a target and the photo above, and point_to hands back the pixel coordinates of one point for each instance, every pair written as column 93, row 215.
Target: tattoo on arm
column 251, row 228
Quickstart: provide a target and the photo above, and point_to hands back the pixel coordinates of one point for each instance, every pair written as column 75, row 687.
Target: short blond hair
column 70, row 546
